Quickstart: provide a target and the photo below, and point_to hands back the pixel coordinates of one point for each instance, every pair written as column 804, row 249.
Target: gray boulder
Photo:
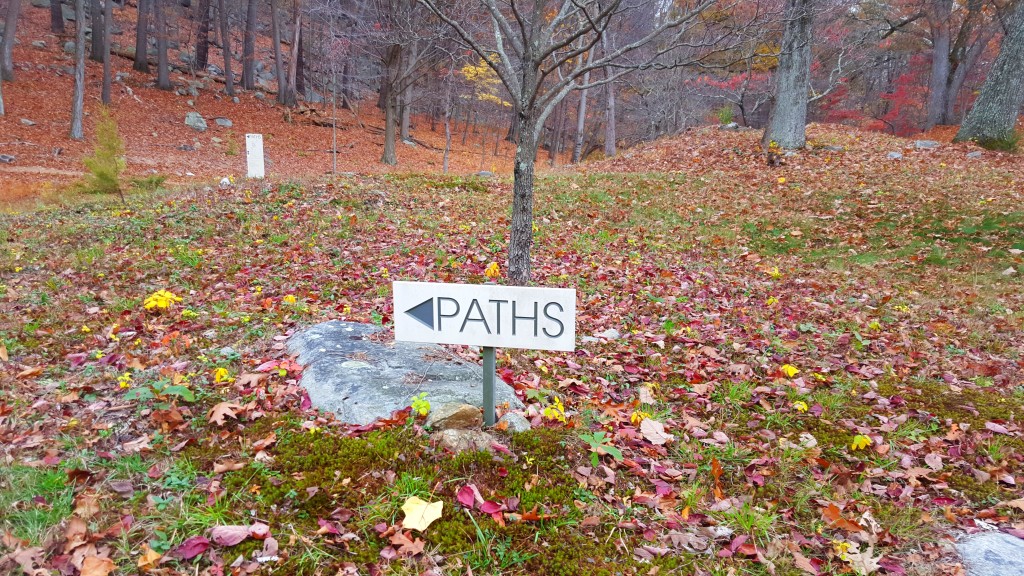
column 41, row 44
column 41, row 3
column 224, row 122
column 974, row 155
column 992, row 554
column 7, row 159
column 195, row 121
column 69, row 47
column 925, row 144
column 895, row 156
column 361, row 380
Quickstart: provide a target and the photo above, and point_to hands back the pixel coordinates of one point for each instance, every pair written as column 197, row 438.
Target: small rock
column 925, row 144
column 69, row 47
column 589, row 339
column 609, row 334
column 41, row 44
column 195, row 121
column 485, row 174
column 259, row 95
column 974, row 155
column 515, row 422
column 729, row 126
column 186, row 148
column 6, row 159
column 409, row 143
column 41, row 3
column 895, row 156
column 454, row 416
column 27, row 122
column 190, row 102
column 224, row 122
column 216, row 140
column 833, row 148
column 1011, row 271
column 463, row 440
column 235, row 100
column 68, row 13
column 228, row 352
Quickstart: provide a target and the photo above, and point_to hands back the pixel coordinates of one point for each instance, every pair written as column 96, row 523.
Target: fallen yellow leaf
column 419, row 513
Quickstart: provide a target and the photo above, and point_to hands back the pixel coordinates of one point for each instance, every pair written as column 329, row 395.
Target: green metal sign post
column 489, row 373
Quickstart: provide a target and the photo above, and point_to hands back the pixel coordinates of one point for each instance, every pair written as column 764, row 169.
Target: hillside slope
column 35, row 129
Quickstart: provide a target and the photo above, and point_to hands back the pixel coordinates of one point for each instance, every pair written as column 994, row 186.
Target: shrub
column 725, row 114
column 106, row 163
column 150, row 183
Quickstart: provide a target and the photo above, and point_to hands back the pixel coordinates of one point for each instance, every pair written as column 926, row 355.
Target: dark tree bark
column 392, row 68
column 992, row 120
column 78, row 99
column 56, row 17
column 293, row 63
column 225, row 34
column 203, row 36
column 275, row 31
column 108, row 17
column 142, row 38
column 787, row 121
column 7, row 46
column 300, row 73
column 521, row 241
column 249, row 47
column 942, row 40
column 96, row 23
column 163, row 72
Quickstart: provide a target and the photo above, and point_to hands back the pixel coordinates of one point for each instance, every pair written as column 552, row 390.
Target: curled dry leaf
column 654, row 432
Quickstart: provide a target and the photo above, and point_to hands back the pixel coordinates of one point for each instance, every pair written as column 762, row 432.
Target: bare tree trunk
column 203, row 36
column 293, row 63
column 249, row 47
column 225, row 43
column 275, row 30
column 142, row 38
column 56, row 17
column 993, row 119
column 96, row 23
column 7, row 46
column 942, row 11
column 787, row 121
column 108, row 17
column 609, row 110
column 390, row 128
column 78, row 100
column 163, row 72
column 2, row 113
column 581, row 123
column 521, row 241
column 407, row 92
column 447, row 130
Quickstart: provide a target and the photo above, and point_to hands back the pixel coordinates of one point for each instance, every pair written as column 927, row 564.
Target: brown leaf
column 228, row 535
column 96, row 566
column 227, row 466
column 148, row 559
column 3, row 352
column 224, row 410
column 87, row 504
column 835, row 518
column 30, row 372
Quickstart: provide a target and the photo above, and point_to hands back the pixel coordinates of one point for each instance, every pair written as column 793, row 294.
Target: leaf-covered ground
column 818, row 370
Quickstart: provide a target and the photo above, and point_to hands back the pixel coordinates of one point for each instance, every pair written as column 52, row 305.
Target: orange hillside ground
column 157, row 141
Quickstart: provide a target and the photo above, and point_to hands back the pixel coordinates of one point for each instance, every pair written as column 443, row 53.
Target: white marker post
column 254, row 155
column 486, row 315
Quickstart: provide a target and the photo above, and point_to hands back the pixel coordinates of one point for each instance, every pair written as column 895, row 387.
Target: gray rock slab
column 992, row 554
column 360, row 379
column 925, row 144
column 895, row 156
column 195, row 121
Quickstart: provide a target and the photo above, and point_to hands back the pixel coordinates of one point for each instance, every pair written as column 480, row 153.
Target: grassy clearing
column 898, row 318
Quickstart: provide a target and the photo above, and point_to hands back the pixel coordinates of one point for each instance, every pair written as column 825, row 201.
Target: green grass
column 34, row 501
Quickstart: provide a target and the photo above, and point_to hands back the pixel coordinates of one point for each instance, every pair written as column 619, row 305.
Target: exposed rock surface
column 454, row 416
column 463, row 440
column 196, row 121
column 348, row 372
column 992, row 554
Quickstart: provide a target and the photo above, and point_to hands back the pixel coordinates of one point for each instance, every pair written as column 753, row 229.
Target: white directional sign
column 486, row 315
column 254, row 155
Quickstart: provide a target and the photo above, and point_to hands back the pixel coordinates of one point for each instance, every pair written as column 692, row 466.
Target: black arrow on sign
column 423, row 312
